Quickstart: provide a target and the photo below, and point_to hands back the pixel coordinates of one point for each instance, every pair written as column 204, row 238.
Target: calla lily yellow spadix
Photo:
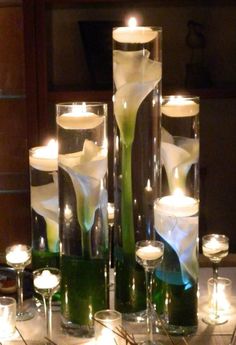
column 135, row 76
column 86, row 169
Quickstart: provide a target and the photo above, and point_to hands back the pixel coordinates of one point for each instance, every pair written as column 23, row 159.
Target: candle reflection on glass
column 7, row 316
column 222, row 296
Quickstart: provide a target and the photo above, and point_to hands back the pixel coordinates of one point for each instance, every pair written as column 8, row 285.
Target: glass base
column 175, row 329
column 150, row 342
column 212, row 320
column 81, row 331
column 24, row 316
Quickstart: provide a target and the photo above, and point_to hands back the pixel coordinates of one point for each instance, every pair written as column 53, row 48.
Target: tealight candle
column 214, row 246
column 149, row 252
column 111, row 319
column 221, row 296
column 44, row 157
column 177, row 205
column 18, row 255
column 79, row 118
column 46, row 280
column 133, row 33
column 179, row 106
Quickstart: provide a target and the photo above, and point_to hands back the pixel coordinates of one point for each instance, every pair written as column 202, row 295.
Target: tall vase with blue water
column 82, row 169
column 137, row 72
column 176, row 212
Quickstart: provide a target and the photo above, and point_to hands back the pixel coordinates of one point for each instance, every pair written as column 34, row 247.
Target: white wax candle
column 180, row 107
column 149, row 252
column 176, row 205
column 45, row 157
column 17, row 256
column 79, row 118
column 134, row 34
column 46, row 280
column 213, row 246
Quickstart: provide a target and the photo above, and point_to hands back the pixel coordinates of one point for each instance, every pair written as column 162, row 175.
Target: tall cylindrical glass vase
column 137, row 72
column 44, row 205
column 176, row 211
column 82, row 169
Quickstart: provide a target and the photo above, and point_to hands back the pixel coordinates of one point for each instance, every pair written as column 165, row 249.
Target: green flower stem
column 86, row 244
column 127, row 222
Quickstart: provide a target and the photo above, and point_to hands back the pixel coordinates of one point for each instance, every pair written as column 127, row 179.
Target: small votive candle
column 222, row 296
column 7, row 316
column 106, row 321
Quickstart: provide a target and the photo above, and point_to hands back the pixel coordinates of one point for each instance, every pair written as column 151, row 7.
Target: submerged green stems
column 127, row 222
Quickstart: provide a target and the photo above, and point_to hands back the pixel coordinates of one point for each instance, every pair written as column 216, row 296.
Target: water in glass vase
column 83, row 214
column 137, row 73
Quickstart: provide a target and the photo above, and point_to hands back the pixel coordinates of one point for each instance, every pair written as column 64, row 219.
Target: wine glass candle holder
column 149, row 254
column 215, row 247
column 19, row 256
column 47, row 283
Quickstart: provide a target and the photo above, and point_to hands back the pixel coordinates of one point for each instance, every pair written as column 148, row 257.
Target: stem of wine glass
column 215, row 288
column 19, row 275
column 48, row 314
column 148, row 278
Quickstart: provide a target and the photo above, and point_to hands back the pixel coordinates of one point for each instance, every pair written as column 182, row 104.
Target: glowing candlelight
column 46, row 280
column 149, row 252
column 110, row 211
column 133, row 33
column 214, row 246
column 79, row 118
column 18, row 255
column 179, row 106
column 178, row 205
column 44, row 157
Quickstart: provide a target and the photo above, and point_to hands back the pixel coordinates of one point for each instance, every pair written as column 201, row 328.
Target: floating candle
column 44, row 157
column 46, row 280
column 214, row 246
column 177, row 205
column 17, row 255
column 133, row 33
column 179, row 106
column 149, row 252
column 79, row 118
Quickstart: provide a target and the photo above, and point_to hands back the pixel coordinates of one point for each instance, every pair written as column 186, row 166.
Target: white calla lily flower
column 86, row 168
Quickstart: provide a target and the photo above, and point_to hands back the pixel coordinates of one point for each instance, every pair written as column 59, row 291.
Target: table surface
column 33, row 330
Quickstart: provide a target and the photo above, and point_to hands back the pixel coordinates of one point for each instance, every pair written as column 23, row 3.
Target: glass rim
column 11, row 300
column 153, row 27
column 176, row 96
column 72, row 103
column 25, row 247
column 226, row 280
column 111, row 311
column 220, row 237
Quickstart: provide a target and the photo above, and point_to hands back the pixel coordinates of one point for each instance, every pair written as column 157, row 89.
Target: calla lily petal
column 86, row 168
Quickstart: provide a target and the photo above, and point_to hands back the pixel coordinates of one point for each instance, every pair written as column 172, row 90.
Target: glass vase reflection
column 44, row 205
column 83, row 213
column 176, row 212
column 137, row 73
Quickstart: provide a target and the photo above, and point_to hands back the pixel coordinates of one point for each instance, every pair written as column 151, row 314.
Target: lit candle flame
column 132, row 22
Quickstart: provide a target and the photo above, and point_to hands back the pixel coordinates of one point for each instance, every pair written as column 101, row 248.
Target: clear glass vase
column 82, row 164
column 137, row 72
column 44, row 205
column 176, row 212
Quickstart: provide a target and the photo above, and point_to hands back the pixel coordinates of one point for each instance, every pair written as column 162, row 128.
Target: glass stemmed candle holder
column 19, row 256
column 47, row 283
column 149, row 254
column 215, row 247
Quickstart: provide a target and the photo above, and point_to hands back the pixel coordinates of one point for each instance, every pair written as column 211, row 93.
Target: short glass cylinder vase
column 82, row 160
column 176, row 212
column 137, row 72
column 44, row 205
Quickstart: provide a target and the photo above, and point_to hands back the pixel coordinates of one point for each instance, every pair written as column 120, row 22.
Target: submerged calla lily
column 178, row 154
column 135, row 76
column 86, row 169
column 44, row 201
